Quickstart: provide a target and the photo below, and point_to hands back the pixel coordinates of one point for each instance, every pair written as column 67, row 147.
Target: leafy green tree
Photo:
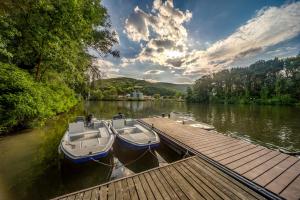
column 156, row 96
column 189, row 94
column 45, row 44
column 275, row 81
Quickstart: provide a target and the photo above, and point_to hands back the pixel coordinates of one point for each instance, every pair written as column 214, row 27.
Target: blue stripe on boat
column 135, row 146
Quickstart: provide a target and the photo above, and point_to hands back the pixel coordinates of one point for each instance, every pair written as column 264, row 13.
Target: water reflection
column 136, row 161
column 276, row 126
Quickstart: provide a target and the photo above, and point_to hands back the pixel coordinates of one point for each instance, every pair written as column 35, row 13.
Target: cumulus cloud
column 154, row 72
column 270, row 26
column 162, row 30
column 165, row 42
column 107, row 68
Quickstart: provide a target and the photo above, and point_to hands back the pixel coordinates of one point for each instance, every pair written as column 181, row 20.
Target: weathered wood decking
column 191, row 178
column 272, row 170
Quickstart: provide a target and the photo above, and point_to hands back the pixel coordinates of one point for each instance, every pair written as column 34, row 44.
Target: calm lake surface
column 30, row 167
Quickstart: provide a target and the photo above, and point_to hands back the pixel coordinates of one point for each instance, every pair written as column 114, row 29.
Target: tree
column 44, row 44
column 272, row 81
column 189, row 94
column 55, row 35
column 156, row 96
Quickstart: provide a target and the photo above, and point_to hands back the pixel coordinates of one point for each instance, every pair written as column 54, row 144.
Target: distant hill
column 125, row 85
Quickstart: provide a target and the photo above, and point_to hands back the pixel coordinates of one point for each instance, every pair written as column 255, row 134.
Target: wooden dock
column 190, row 178
column 221, row 167
column 271, row 170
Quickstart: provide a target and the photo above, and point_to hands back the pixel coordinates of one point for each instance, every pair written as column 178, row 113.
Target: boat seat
column 118, row 123
column 103, row 132
column 141, row 127
column 76, row 127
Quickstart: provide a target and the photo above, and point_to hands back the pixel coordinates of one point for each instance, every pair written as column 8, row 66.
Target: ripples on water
column 30, row 166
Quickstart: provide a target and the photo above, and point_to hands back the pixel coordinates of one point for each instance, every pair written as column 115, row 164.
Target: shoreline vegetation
column 271, row 82
column 123, row 88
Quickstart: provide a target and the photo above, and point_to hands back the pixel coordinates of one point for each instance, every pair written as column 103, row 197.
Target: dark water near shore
column 30, row 166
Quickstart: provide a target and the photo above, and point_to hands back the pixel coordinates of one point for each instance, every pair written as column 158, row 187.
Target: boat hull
column 133, row 146
column 84, row 159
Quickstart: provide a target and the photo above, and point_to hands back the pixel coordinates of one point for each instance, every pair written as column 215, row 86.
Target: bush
column 95, row 95
column 23, row 100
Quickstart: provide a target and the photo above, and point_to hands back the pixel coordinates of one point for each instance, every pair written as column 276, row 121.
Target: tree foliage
column 111, row 88
column 274, row 81
column 46, row 42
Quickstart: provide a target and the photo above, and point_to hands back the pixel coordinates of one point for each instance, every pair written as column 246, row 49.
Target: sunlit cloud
column 166, row 44
column 180, row 41
column 269, row 27
column 154, row 72
column 162, row 30
column 108, row 69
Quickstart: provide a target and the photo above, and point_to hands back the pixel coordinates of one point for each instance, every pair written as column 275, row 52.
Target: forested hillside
column 108, row 88
column 43, row 59
column 274, row 81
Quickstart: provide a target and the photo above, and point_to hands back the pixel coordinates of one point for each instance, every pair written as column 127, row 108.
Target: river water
column 30, row 167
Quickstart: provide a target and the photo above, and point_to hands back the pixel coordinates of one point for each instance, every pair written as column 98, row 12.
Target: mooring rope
column 97, row 161
column 126, row 164
column 142, row 155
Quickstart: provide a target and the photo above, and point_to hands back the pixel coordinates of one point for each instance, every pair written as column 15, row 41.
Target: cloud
column 269, row 27
column 165, row 38
column 154, row 72
column 162, row 31
column 136, row 25
column 107, row 68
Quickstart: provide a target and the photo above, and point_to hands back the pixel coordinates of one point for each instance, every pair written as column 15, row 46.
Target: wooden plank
column 237, row 152
column 234, row 185
column 214, row 180
column 225, row 147
column 206, row 142
column 274, row 172
column 139, row 188
column 292, row 191
column 166, row 185
column 214, row 189
column 282, row 181
column 132, row 189
column 159, row 186
column 111, row 192
column 95, row 195
column 248, row 158
column 79, row 196
column 119, row 190
column 257, row 171
column 187, row 189
column 87, row 195
column 198, row 185
column 72, row 197
column 154, row 189
column 126, row 194
column 103, row 192
column 146, row 187
column 228, row 150
column 173, row 185
column 251, row 165
column 214, row 145
column 237, row 155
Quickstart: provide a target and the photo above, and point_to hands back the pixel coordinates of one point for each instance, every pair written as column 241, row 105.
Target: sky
column 179, row 41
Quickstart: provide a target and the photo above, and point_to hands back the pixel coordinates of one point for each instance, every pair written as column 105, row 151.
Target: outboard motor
column 89, row 119
column 119, row 116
